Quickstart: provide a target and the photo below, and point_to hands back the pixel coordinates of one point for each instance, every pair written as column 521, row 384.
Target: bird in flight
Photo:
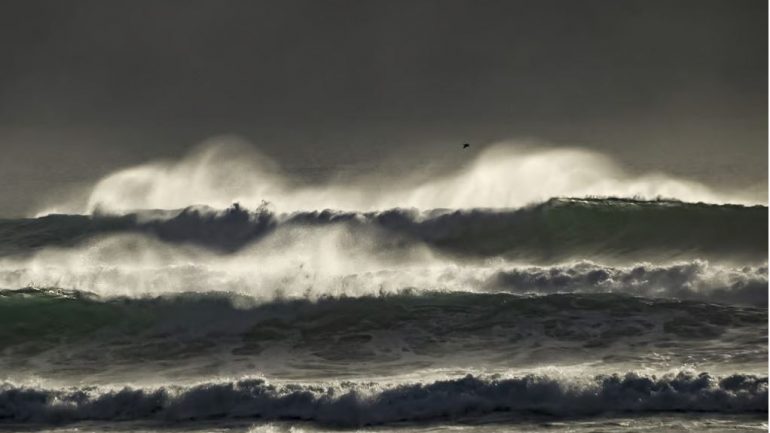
column 466, row 145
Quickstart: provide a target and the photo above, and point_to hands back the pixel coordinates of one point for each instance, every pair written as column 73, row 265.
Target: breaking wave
column 226, row 170
column 351, row 404
column 94, row 271
column 691, row 280
column 359, row 297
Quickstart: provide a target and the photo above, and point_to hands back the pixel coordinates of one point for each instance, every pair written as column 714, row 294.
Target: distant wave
column 350, row 405
column 226, row 170
column 559, row 229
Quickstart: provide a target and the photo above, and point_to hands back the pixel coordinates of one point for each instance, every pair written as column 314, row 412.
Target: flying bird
column 466, row 145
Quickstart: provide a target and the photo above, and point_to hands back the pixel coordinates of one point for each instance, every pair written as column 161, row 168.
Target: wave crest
column 226, row 170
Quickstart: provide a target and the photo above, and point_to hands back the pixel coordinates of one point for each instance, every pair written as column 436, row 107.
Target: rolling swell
column 354, row 337
column 350, row 405
column 558, row 229
column 40, row 313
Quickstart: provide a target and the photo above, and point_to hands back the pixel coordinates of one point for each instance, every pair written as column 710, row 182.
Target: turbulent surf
column 258, row 317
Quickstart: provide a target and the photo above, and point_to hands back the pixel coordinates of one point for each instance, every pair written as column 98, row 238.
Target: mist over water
column 226, row 170
column 340, row 260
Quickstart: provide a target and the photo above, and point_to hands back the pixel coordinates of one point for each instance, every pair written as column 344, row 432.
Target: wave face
column 350, row 405
column 560, row 229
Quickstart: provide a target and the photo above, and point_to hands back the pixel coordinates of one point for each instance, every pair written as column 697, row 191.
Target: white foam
column 349, row 404
column 225, row 170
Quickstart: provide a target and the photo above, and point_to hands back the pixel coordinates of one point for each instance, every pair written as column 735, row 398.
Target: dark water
column 571, row 315
column 557, row 230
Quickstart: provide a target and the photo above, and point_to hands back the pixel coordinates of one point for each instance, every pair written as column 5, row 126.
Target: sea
column 564, row 315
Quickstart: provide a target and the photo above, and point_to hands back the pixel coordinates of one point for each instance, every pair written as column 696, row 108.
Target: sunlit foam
column 227, row 170
column 315, row 262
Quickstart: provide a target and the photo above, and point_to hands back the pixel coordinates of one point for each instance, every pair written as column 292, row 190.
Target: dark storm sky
column 89, row 86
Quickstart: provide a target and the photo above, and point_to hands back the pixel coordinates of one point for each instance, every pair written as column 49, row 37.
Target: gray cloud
column 90, row 86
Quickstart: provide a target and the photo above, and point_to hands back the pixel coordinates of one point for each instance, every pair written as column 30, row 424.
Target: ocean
column 565, row 315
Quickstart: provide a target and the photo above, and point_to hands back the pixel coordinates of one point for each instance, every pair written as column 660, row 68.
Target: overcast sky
column 90, row 86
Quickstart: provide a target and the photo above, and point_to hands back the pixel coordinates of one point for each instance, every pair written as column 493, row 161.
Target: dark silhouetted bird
column 466, row 145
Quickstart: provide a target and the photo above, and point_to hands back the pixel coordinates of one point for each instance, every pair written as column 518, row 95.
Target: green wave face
column 375, row 334
column 556, row 230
